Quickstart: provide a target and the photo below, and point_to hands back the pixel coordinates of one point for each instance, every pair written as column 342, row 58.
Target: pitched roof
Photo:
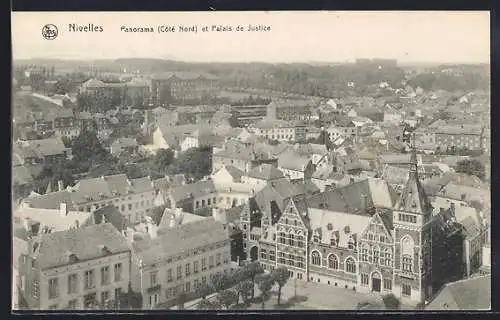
column 468, row 294
column 85, row 243
column 234, row 172
column 183, row 76
column 177, row 216
column 293, row 160
column 54, row 219
column 180, row 239
column 196, row 190
column 19, row 246
column 265, row 172
column 377, row 193
column 111, row 215
column 279, row 191
column 21, row 175
column 46, row 147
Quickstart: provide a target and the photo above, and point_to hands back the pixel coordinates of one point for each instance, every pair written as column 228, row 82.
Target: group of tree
column 467, row 81
column 101, row 102
column 194, row 163
column 471, row 167
column 251, row 101
column 230, row 287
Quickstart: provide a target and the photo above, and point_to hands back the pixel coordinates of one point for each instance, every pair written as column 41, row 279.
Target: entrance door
column 376, row 282
column 254, row 253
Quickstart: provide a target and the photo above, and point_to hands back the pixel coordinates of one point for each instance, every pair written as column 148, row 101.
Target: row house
column 178, row 260
column 295, row 166
column 45, row 151
column 84, row 268
column 280, row 130
column 449, row 137
column 242, row 155
column 291, row 110
column 134, row 198
column 195, row 197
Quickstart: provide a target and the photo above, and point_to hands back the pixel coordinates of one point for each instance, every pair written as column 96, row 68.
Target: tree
column 251, row 270
column 205, row 304
column 163, row 159
column 471, row 167
column 391, row 302
column 203, row 290
column 280, row 276
column 220, row 281
column 227, row 298
column 195, row 163
column 245, row 289
column 265, row 283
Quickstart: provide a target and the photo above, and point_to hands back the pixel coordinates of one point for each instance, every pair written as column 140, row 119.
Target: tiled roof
column 279, row 191
column 268, row 123
column 46, row 147
column 178, row 216
column 413, row 198
column 111, row 215
column 180, row 239
column 124, row 143
column 469, row 294
column 349, row 198
column 196, row 190
column 234, row 172
column 85, row 243
column 293, row 160
column 21, row 175
column 458, row 130
column 94, row 83
column 54, row 219
column 471, row 228
column 19, row 246
column 265, row 172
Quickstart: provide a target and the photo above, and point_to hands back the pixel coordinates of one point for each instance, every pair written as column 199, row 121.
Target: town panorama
column 159, row 184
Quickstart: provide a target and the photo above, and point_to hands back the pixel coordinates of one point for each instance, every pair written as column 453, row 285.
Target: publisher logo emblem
column 49, row 31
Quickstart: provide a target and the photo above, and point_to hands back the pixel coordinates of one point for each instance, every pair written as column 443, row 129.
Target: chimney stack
column 60, row 185
column 27, row 223
column 452, row 209
column 63, row 209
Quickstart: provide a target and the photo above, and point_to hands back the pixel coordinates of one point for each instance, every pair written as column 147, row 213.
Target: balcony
column 155, row 288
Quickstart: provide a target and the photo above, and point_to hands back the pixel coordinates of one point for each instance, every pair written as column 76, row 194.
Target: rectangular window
column 169, row 275
column 188, row 286
column 364, row 279
column 203, row 264
column 89, row 279
column 217, row 259
column 188, row 271
column 72, row 283
column 263, row 254
column 36, row 289
column 104, row 275
column 153, row 278
column 387, row 284
column 104, row 296
column 407, row 263
column 195, row 266
column 118, row 272
column 211, row 261
column 204, row 279
column 406, row 289
column 129, row 206
column 225, row 257
column 53, row 288
column 179, row 272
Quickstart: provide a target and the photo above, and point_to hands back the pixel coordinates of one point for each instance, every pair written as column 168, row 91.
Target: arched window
column 316, row 258
column 350, row 265
column 376, row 254
column 333, row 262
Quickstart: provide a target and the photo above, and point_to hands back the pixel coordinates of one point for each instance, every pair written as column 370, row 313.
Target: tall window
column 179, row 272
column 118, row 272
column 217, row 259
column 387, row 284
column 203, row 264
column 406, row 289
column 364, row 279
column 350, row 244
column 169, row 275
column 89, row 279
column 195, row 266
column 282, row 238
column 350, row 265
column 72, row 283
column 53, row 288
column 300, row 241
column 387, row 257
column 188, row 271
column 104, row 275
column 263, row 254
column 333, row 262
column 211, row 261
column 291, row 240
column 36, row 289
column 153, row 278
column 364, row 252
column 376, row 254
column 407, row 263
column 316, row 258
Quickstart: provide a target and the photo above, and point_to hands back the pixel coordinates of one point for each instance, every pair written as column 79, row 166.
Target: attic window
column 104, row 249
column 329, row 226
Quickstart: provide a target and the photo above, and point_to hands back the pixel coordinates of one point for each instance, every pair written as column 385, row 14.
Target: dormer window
column 350, row 244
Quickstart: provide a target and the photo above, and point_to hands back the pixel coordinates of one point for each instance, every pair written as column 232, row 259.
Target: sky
column 321, row 36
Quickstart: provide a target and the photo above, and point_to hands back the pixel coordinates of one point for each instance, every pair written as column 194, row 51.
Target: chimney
column 60, row 185
column 261, row 169
column 103, row 221
column 63, row 209
column 173, row 223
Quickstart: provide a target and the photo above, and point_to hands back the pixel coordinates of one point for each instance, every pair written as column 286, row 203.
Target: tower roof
column 413, row 198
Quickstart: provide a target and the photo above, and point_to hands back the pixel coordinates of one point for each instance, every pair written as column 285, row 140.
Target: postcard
column 327, row 160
